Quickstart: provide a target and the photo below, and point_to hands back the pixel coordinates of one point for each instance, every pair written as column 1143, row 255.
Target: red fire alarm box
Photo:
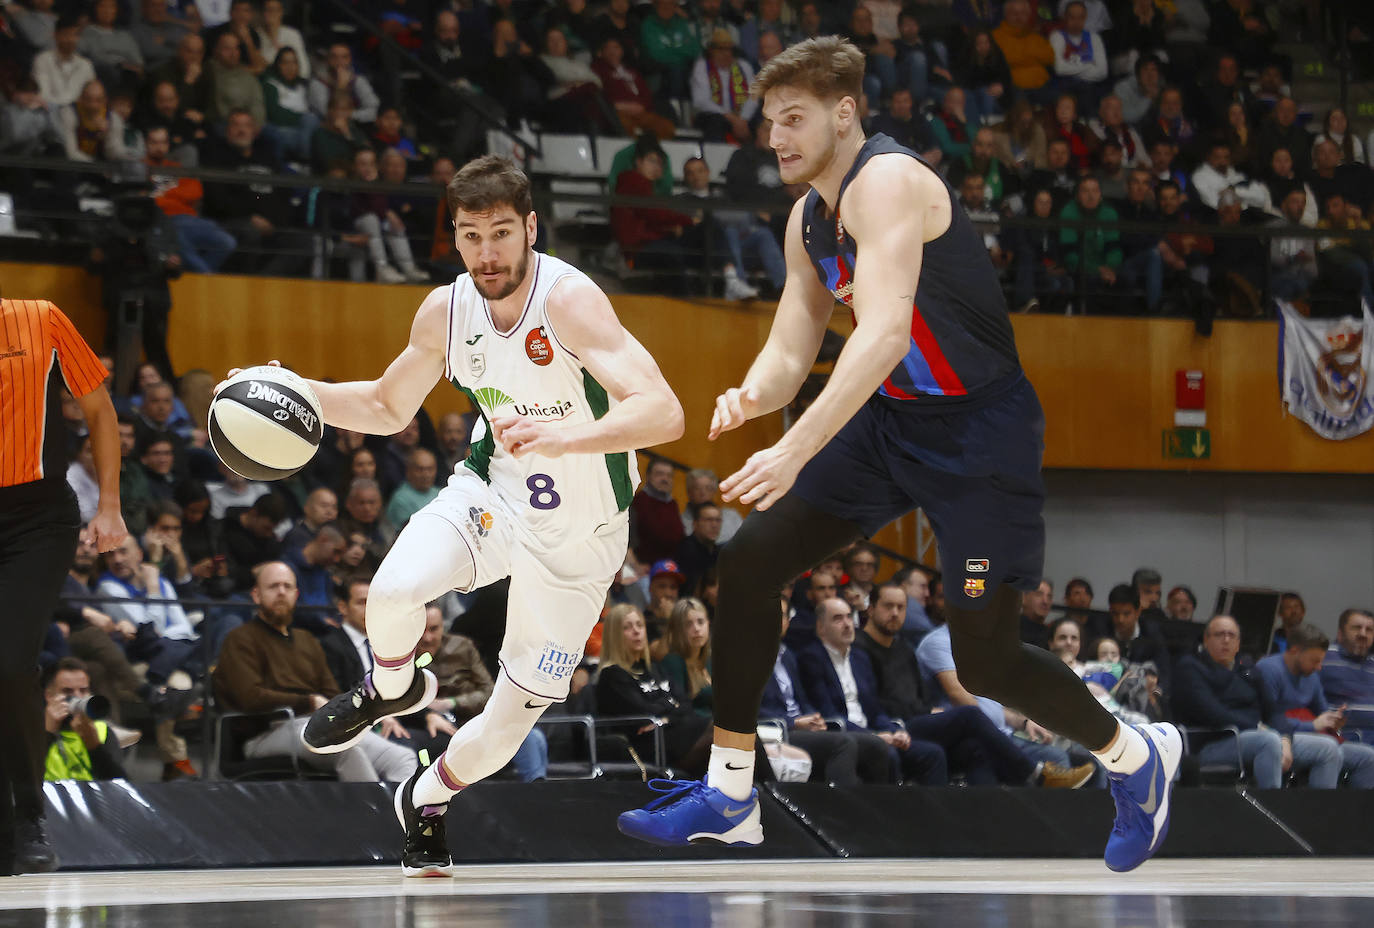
column 1190, row 390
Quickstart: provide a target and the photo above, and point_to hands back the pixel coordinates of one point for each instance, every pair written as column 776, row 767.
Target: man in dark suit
column 346, row 650
column 839, row 678
column 970, row 740
column 840, row 758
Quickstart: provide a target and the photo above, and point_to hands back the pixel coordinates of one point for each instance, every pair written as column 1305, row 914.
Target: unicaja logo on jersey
column 261, row 391
column 550, row 412
column 490, row 398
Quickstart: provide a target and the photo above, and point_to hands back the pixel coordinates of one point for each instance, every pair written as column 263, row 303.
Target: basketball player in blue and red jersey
column 928, row 407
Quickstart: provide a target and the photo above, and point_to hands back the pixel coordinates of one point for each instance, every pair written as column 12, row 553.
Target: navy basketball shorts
column 974, row 471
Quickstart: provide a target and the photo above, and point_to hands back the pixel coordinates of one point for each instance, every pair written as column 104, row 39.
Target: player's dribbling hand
column 106, row 531
column 234, row 371
column 521, row 436
column 734, row 407
column 764, row 478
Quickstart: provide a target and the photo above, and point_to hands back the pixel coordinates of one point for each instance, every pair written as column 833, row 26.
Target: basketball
column 266, row 423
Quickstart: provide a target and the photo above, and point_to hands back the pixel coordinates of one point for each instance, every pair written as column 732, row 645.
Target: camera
column 94, row 706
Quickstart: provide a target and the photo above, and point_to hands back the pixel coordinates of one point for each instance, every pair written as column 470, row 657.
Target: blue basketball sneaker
column 1142, row 800
column 689, row 812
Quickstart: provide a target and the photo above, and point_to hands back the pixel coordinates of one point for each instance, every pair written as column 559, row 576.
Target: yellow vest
column 68, row 758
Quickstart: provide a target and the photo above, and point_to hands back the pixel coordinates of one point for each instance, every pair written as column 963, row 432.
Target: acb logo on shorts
column 973, row 588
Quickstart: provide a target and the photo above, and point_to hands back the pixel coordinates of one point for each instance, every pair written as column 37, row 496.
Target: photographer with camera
column 81, row 745
column 136, row 256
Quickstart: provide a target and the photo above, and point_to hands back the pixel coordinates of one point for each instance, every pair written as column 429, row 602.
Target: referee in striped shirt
column 39, row 525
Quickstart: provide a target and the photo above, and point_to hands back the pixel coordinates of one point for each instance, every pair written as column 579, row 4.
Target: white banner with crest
column 1325, row 368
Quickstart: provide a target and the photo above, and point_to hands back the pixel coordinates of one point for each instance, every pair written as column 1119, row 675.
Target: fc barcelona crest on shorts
column 973, row 588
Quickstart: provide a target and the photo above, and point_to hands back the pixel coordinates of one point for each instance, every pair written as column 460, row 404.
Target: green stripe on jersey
column 479, row 457
column 618, row 464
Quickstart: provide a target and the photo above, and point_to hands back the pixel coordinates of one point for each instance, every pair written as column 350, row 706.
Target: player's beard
column 511, row 285
column 811, row 168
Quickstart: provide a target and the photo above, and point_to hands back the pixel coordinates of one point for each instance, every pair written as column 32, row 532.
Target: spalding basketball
column 266, row 423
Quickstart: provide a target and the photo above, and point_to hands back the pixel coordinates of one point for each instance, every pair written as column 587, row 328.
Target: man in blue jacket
column 840, row 679
column 1213, row 690
column 1295, row 704
column 1348, row 672
column 841, row 758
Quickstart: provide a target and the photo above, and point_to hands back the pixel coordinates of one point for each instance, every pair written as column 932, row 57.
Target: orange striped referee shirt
column 37, row 343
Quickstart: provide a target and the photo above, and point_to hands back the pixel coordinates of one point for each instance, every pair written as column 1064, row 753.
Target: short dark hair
column 1169, row 185
column 64, row 663
column 163, row 507
column 486, row 183
column 1145, row 575
column 1078, row 581
column 655, row 461
column 189, row 491
column 148, row 441
column 344, row 591
column 1306, row 637
column 271, row 506
column 1124, row 593
column 888, row 585
column 1054, row 626
column 1291, row 595
column 1186, row 591
column 1348, row 614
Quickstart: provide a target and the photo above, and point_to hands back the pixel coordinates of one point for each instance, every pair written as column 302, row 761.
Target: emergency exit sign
column 1189, row 444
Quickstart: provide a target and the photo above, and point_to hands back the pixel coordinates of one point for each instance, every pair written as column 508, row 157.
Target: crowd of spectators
column 1177, row 112
column 233, row 595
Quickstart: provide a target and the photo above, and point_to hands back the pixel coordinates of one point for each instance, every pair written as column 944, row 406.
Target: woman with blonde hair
column 688, row 661
column 629, row 682
column 1021, row 139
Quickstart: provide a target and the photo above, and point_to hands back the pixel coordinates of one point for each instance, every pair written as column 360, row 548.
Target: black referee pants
column 37, row 545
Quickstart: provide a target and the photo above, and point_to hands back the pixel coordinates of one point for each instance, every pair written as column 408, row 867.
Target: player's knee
column 392, row 593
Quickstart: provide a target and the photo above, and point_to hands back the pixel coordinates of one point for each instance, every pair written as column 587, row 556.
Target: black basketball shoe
column 426, row 849
column 32, row 851
column 344, row 720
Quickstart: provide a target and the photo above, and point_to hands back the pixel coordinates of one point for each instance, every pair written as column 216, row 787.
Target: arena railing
column 67, row 235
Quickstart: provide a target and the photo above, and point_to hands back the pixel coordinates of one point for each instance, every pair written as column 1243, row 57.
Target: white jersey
column 527, row 371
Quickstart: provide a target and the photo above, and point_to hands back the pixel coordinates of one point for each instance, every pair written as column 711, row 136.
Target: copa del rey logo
column 286, row 406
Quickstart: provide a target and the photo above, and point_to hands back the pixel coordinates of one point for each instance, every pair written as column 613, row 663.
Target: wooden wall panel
column 1107, row 384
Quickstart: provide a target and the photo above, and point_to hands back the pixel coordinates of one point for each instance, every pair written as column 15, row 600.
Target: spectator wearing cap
column 1347, row 674
column 721, row 82
column 665, row 589
column 1295, row 704
column 654, row 514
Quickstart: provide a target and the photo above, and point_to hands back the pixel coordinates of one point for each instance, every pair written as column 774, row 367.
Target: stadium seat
column 565, row 156
column 717, row 155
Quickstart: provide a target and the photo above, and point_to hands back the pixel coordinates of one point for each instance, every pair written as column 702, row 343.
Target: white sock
column 731, row 771
column 1128, row 752
column 436, row 786
column 392, row 682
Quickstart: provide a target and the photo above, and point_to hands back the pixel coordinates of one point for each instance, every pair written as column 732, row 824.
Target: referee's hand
column 106, row 531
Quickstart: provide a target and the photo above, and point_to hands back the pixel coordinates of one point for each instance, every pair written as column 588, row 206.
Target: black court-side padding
column 899, row 821
column 117, row 826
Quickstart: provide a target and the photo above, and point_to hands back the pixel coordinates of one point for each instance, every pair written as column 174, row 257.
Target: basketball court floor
column 811, row 894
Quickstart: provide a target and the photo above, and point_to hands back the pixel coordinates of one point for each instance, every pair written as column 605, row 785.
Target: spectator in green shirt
column 1098, row 249
column 669, row 46
column 418, row 489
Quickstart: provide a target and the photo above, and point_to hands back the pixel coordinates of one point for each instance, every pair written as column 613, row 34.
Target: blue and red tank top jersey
column 961, row 338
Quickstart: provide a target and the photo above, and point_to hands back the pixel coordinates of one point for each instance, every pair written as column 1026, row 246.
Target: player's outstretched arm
column 646, row 413
column 793, row 342
column 385, row 406
column 885, row 210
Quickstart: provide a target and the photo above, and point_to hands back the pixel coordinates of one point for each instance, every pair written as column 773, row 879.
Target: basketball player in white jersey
column 565, row 395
